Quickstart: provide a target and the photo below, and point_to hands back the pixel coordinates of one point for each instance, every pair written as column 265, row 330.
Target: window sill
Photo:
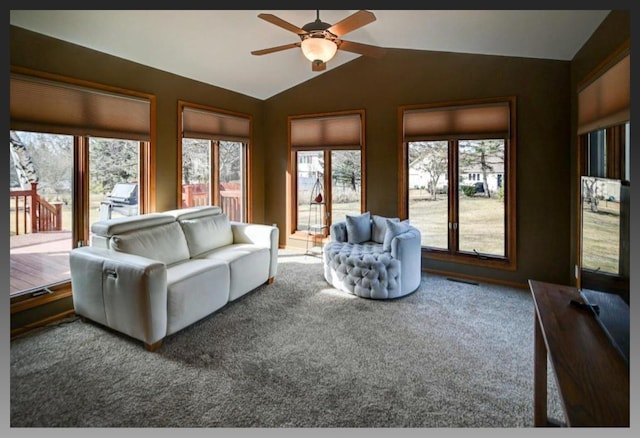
column 25, row 302
column 469, row 259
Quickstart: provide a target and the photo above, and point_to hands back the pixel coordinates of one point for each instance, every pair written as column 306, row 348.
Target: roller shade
column 199, row 123
column 55, row 107
column 317, row 132
column 466, row 121
column 606, row 101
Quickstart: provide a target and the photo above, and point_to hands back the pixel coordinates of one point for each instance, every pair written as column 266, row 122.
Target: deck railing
column 195, row 195
column 230, row 202
column 34, row 214
column 198, row 194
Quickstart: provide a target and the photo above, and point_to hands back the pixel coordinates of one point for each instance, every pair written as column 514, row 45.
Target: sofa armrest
column 407, row 248
column 338, row 231
column 123, row 291
column 266, row 236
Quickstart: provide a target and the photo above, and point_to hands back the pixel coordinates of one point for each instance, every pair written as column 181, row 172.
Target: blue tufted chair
column 373, row 256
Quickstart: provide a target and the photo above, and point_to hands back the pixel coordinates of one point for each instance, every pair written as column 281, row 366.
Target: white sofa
column 152, row 275
column 373, row 256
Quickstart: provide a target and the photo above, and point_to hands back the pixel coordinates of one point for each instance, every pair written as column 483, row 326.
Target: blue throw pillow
column 394, row 229
column 359, row 228
column 379, row 227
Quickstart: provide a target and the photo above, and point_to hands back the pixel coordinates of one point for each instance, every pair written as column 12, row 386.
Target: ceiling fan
column 319, row 41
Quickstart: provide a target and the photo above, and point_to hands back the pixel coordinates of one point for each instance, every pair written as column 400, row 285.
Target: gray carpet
column 296, row 353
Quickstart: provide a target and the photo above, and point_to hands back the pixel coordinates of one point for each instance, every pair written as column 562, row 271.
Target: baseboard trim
column 476, row 279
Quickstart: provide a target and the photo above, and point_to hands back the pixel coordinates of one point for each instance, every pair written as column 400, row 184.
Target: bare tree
column 112, row 161
column 346, row 169
column 45, row 159
column 195, row 161
column 230, row 161
column 591, row 193
column 483, row 154
column 430, row 158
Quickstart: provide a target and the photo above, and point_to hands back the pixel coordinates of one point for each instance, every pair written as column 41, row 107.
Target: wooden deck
column 38, row 259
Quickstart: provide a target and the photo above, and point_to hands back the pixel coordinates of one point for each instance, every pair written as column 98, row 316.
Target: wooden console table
column 591, row 375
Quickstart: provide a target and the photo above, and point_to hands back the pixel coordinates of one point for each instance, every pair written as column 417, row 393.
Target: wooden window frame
column 292, row 170
column 80, row 185
column 214, row 195
column 451, row 254
column 616, row 167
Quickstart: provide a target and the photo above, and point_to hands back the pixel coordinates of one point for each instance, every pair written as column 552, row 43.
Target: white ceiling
column 214, row 46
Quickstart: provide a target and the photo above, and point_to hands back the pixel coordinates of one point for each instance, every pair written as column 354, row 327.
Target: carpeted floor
column 296, row 353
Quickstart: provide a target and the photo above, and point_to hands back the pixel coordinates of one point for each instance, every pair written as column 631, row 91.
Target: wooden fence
column 230, row 198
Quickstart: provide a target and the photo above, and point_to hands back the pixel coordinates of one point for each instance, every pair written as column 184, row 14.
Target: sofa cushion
column 165, row 243
column 358, row 228
column 379, row 227
column 248, row 266
column 207, row 233
column 394, row 229
column 195, row 289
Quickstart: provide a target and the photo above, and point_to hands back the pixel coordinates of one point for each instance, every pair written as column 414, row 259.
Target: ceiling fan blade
column 318, row 67
column 352, row 22
column 275, row 49
column 362, row 49
column 282, row 23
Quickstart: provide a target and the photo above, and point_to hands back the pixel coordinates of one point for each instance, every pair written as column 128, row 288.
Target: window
column 73, row 146
column 213, row 164
column 604, row 161
column 328, row 149
column 458, row 179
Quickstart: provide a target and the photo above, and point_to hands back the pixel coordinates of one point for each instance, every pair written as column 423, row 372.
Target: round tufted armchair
column 373, row 257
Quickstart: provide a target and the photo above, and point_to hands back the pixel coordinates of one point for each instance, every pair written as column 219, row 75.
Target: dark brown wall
column 39, row 52
column 413, row 77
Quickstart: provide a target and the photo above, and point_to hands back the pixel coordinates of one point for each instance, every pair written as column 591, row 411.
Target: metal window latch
column 43, row 291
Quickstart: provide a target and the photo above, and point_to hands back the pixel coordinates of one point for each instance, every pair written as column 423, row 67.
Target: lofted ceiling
column 214, row 46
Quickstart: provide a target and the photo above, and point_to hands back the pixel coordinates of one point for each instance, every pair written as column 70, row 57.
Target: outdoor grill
column 123, row 199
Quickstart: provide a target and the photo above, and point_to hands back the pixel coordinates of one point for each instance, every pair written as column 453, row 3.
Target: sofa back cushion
column 207, row 233
column 194, row 212
column 110, row 227
column 165, row 243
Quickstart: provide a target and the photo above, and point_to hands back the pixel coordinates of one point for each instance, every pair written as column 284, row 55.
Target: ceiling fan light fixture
column 318, row 50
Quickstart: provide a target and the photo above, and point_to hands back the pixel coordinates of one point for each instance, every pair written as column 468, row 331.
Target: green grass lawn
column 601, row 240
column 481, row 225
column 481, row 221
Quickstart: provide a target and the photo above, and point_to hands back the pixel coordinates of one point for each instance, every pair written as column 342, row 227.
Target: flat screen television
column 604, row 255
